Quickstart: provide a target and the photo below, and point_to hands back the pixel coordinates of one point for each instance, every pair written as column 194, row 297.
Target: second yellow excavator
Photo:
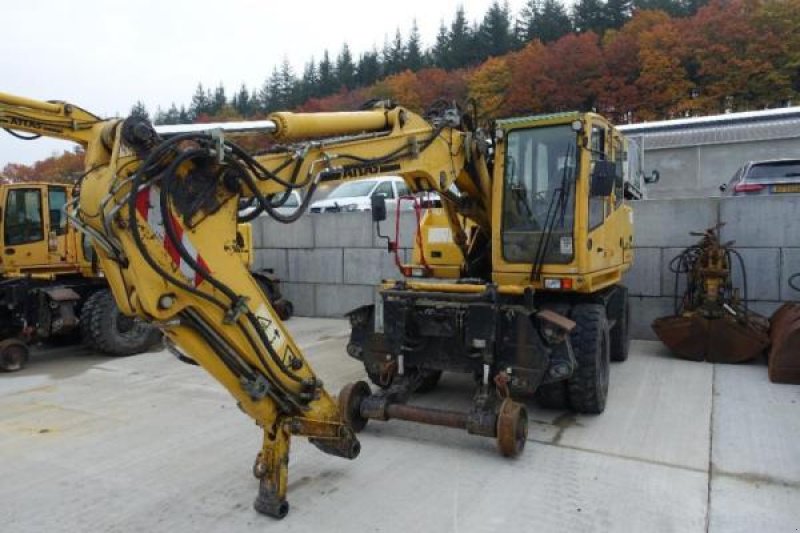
column 516, row 282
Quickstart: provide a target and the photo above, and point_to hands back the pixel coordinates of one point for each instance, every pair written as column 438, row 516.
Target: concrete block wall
column 766, row 231
column 332, row 263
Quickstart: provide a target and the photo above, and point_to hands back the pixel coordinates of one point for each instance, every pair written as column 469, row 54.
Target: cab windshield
column 540, row 168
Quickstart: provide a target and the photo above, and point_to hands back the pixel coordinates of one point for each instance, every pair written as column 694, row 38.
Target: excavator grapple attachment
column 711, row 323
column 720, row 340
column 784, row 356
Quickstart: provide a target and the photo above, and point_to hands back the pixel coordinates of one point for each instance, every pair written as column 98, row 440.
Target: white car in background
column 355, row 196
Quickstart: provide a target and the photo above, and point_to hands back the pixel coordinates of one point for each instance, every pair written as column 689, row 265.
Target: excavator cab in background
column 516, row 282
column 51, row 287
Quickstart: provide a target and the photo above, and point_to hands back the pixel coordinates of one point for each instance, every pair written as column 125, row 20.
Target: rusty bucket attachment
column 716, row 340
column 784, row 356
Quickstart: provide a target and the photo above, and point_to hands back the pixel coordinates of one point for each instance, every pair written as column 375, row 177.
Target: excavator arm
column 162, row 213
column 49, row 119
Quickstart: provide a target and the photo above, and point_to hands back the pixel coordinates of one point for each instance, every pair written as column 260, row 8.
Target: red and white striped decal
column 148, row 205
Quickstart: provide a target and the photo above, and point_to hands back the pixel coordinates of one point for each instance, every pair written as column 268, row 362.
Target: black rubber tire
column 553, row 395
column 588, row 387
column 619, row 334
column 106, row 329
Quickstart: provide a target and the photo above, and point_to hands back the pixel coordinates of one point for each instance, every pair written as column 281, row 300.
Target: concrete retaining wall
column 766, row 231
column 331, row 263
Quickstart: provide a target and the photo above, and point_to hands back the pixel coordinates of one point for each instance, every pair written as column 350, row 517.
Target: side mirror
column 653, row 178
column 378, row 208
column 603, row 177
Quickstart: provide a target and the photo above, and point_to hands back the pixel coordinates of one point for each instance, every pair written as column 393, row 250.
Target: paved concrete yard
column 149, row 444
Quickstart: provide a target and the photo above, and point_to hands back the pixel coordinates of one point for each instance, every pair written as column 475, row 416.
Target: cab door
column 57, row 225
column 610, row 223
column 24, row 232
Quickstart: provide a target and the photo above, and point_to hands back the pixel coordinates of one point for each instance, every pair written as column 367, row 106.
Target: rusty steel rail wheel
column 504, row 420
column 14, row 355
column 512, row 428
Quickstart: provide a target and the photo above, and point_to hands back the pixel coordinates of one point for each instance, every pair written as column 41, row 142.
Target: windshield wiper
column 558, row 201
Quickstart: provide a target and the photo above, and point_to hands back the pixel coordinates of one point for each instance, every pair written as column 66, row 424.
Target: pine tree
column 394, row 55
column 242, row 102
column 172, row 116
column 139, row 110
column 617, row 13
column 460, row 42
column 345, row 69
column 494, row 33
column 369, row 69
column 414, row 53
column 219, row 99
column 309, row 80
column 199, row 105
column 439, row 54
column 327, row 81
column 553, row 22
column 589, row 15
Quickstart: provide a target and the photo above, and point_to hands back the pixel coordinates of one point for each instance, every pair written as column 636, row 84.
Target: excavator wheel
column 620, row 339
column 512, row 428
column 552, row 395
column 588, row 387
column 14, row 355
column 106, row 329
column 350, row 399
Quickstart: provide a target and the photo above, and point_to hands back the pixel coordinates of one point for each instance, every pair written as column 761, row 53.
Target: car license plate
column 792, row 187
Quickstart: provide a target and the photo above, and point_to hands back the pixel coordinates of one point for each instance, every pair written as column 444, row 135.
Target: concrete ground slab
column 658, row 410
column 145, row 443
column 756, row 424
column 742, row 505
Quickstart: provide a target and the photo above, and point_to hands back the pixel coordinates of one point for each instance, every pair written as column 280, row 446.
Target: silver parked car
column 777, row 176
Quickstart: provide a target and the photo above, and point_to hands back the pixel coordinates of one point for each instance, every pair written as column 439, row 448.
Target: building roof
column 767, row 125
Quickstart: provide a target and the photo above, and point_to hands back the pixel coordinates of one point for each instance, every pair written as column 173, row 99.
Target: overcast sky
column 105, row 55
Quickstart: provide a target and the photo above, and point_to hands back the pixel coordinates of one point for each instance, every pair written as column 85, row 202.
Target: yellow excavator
column 516, row 280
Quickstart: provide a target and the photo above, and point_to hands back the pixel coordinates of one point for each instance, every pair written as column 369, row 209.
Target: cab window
column 597, row 205
column 56, row 198
column 384, row 189
column 23, row 217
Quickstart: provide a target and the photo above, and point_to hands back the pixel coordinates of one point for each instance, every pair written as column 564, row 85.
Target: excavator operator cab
column 35, row 234
column 559, row 188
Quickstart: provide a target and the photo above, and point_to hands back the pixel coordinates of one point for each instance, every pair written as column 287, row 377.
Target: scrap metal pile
column 712, row 321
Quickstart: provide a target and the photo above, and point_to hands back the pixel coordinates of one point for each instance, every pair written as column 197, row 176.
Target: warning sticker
column 566, row 245
column 274, row 335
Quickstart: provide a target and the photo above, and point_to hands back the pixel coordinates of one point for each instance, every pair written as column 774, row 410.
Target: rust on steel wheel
column 350, row 399
column 512, row 428
column 13, row 355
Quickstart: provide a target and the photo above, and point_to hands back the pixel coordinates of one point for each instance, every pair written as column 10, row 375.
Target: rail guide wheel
column 14, row 355
column 512, row 428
